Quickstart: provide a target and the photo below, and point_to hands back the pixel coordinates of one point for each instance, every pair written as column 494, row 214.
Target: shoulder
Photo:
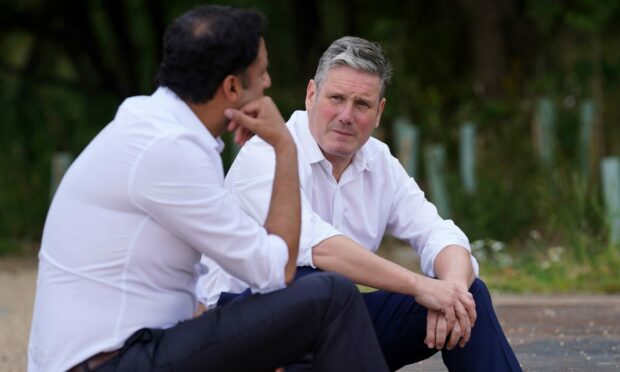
column 381, row 162
column 377, row 152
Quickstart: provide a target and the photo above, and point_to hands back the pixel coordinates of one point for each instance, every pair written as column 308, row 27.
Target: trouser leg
column 400, row 324
column 322, row 314
column 488, row 348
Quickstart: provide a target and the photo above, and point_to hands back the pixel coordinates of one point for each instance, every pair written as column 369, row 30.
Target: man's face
column 256, row 78
column 343, row 111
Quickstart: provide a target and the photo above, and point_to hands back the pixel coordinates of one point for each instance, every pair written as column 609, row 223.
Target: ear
column 231, row 88
column 310, row 94
column 381, row 107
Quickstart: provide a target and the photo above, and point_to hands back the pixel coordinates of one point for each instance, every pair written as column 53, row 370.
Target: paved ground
column 548, row 333
column 556, row 333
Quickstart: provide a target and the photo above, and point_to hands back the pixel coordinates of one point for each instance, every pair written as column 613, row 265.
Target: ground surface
column 548, row 333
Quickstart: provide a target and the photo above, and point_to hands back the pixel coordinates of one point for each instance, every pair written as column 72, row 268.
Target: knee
column 478, row 287
column 331, row 286
column 342, row 286
column 481, row 294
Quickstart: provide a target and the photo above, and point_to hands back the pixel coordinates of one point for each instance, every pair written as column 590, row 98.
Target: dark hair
column 205, row 45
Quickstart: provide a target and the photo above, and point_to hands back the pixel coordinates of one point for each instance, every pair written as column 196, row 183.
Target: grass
column 555, row 270
column 532, row 266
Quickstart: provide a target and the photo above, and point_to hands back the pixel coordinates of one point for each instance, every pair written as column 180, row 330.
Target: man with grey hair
column 353, row 191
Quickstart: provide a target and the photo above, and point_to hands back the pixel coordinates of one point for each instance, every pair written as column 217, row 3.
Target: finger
column 450, row 316
column 431, row 326
column 455, row 335
column 259, row 107
column 242, row 135
column 465, row 337
column 461, row 312
column 470, row 306
column 441, row 332
column 465, row 325
column 252, row 108
column 240, row 118
column 238, row 139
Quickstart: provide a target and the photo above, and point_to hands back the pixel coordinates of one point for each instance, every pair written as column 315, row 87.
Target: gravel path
column 548, row 333
column 17, row 284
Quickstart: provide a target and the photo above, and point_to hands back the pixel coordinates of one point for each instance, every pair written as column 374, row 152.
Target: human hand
column 453, row 301
column 260, row 117
column 437, row 331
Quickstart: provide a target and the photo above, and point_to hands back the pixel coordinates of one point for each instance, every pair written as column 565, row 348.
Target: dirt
column 548, row 333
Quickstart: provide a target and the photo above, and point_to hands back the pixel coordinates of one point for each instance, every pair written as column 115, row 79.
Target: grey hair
column 357, row 53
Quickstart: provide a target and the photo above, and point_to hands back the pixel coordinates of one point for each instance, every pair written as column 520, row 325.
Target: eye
column 336, row 98
column 363, row 104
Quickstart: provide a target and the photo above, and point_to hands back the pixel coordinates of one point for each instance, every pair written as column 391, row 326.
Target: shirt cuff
column 430, row 254
column 278, row 257
column 314, row 231
column 210, row 285
column 217, row 280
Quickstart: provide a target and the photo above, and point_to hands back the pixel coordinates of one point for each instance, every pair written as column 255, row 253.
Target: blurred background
column 504, row 111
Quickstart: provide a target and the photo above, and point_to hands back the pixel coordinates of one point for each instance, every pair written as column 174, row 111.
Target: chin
column 341, row 153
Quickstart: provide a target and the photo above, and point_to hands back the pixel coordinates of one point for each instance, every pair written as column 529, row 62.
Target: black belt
column 94, row 361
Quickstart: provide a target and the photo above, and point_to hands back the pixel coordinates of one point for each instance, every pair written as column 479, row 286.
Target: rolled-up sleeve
column 179, row 184
column 414, row 219
column 250, row 180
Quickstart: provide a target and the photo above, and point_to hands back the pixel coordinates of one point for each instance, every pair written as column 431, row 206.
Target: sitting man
column 353, row 190
column 124, row 235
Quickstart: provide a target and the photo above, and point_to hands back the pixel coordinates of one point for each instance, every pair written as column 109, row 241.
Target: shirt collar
column 299, row 121
column 313, row 151
column 186, row 117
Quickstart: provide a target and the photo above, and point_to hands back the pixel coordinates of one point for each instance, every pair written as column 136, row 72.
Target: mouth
column 342, row 132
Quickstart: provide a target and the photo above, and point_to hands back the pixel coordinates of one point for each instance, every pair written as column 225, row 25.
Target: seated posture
column 353, row 191
column 121, row 248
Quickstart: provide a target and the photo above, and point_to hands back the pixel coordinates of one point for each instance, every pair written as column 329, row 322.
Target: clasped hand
column 451, row 312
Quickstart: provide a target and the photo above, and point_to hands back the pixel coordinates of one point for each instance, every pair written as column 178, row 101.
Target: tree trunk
column 486, row 20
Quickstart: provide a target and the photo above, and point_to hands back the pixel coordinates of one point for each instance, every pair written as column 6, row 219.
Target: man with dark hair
column 124, row 234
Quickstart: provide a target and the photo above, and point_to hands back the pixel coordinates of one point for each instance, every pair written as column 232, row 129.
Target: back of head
column 205, row 45
column 357, row 53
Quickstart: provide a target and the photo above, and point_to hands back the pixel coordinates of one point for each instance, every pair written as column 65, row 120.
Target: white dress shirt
column 375, row 195
column 124, row 234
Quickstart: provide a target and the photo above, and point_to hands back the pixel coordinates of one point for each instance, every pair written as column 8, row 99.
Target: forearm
column 284, row 215
column 344, row 256
column 453, row 263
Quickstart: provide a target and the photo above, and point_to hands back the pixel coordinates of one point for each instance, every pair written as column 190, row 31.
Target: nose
column 266, row 80
column 346, row 113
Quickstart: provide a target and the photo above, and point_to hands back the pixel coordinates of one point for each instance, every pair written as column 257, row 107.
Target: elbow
column 472, row 277
column 320, row 253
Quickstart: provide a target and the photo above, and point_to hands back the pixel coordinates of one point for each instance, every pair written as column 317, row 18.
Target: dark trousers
column 323, row 315
column 400, row 325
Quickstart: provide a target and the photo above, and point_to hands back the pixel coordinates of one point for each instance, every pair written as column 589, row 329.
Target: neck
column 339, row 165
column 211, row 114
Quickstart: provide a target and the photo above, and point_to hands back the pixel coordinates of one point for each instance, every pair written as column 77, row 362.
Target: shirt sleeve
column 211, row 285
column 179, row 183
column 250, row 179
column 416, row 220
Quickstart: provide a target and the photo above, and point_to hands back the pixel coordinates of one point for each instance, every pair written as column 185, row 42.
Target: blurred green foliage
column 66, row 66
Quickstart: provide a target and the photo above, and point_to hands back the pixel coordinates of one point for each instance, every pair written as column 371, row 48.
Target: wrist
column 415, row 284
column 284, row 145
